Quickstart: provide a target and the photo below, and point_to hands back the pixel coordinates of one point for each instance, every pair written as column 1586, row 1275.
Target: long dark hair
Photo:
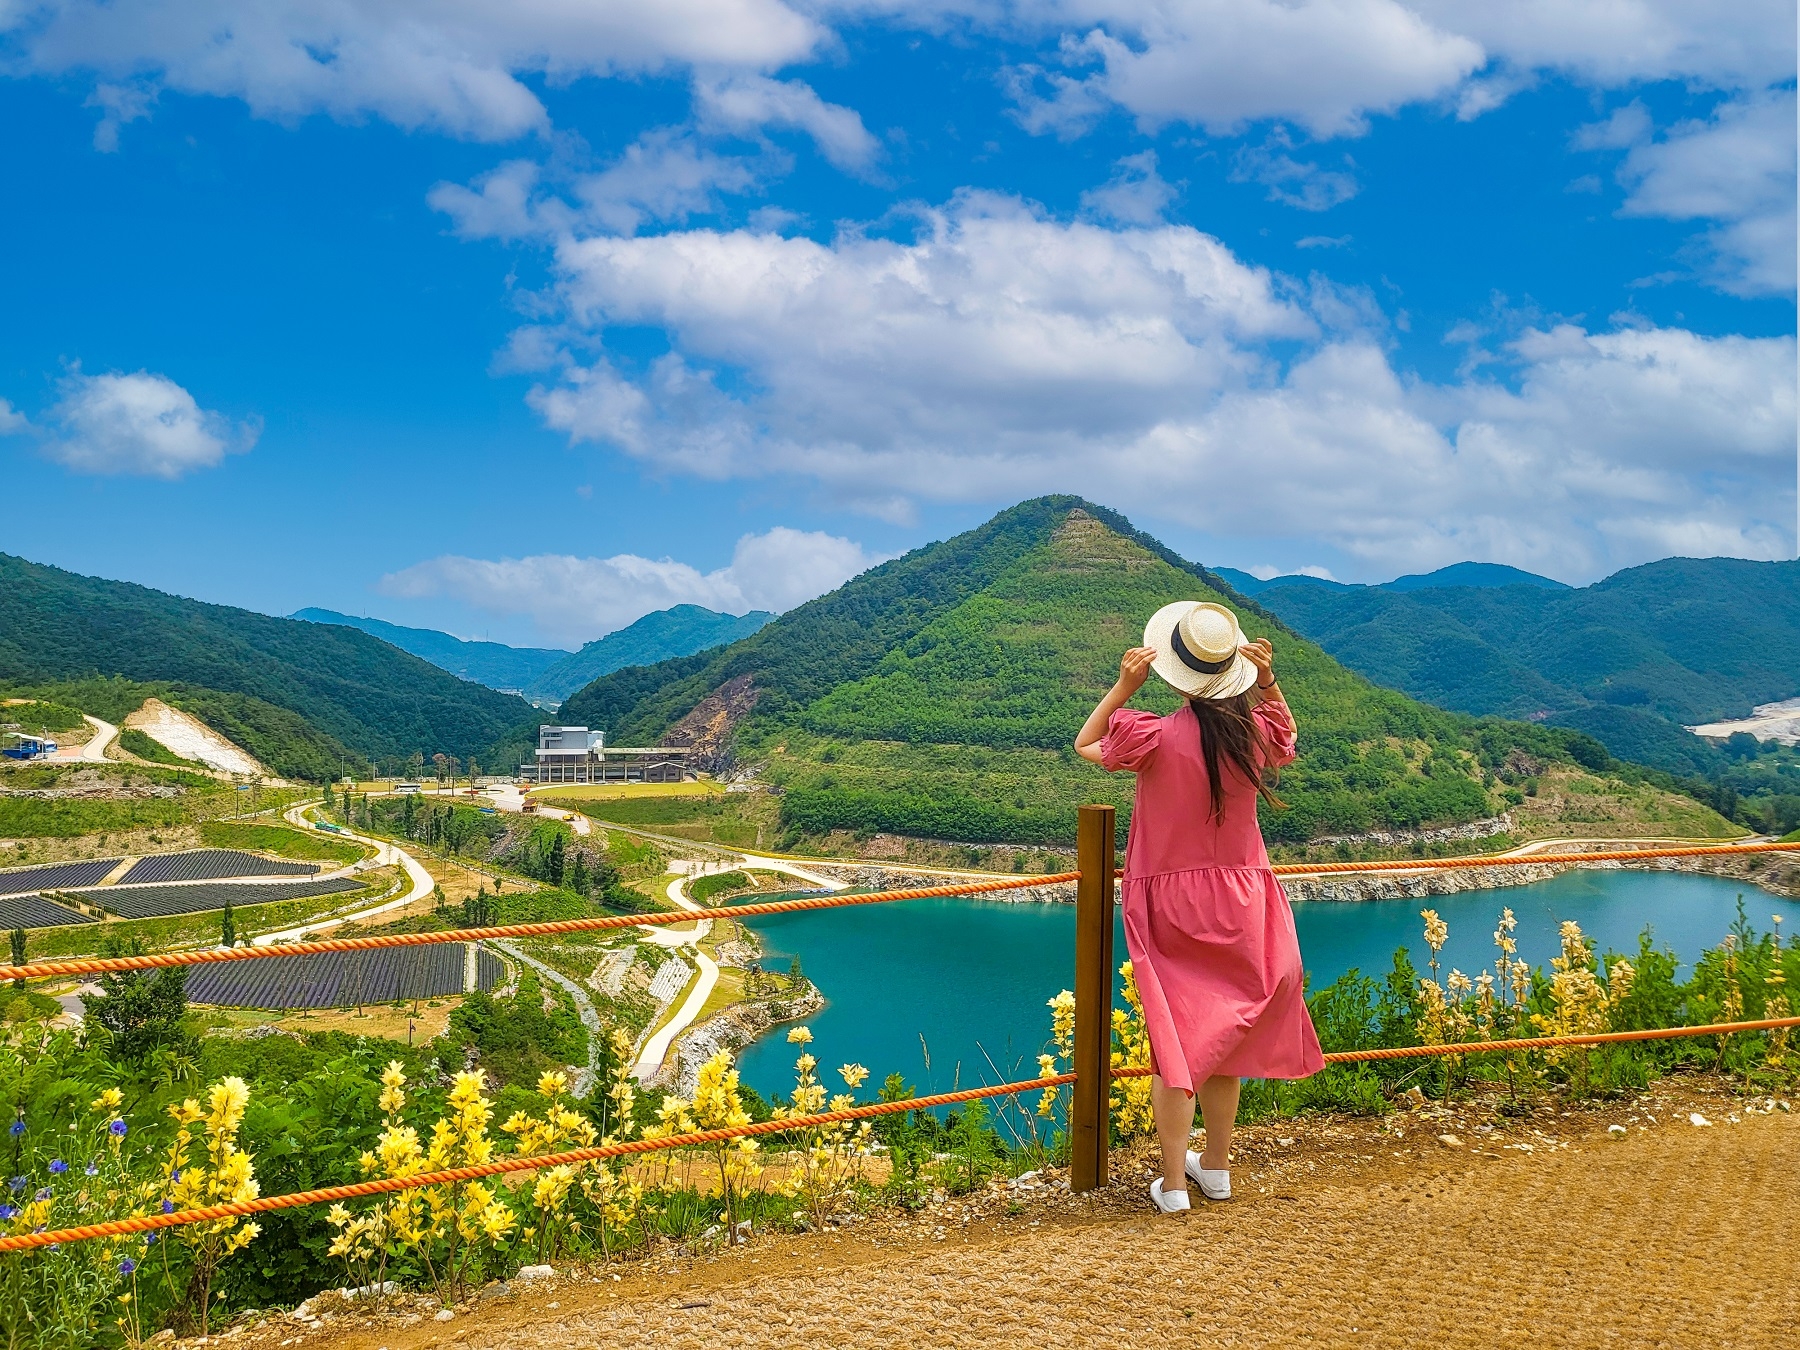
column 1229, row 732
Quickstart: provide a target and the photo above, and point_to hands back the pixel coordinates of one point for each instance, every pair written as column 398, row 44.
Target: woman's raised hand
column 1261, row 655
column 1134, row 668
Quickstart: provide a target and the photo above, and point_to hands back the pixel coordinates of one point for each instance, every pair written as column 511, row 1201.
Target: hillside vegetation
column 356, row 690
column 679, row 631
column 278, row 737
column 1632, row 660
column 937, row 696
column 494, row 664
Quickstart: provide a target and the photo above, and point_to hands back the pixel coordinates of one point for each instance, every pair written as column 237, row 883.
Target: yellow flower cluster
column 1131, row 1112
column 827, row 1161
column 1580, row 1004
column 222, row 1173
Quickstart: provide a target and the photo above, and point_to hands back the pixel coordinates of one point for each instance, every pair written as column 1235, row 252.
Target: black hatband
column 1191, row 661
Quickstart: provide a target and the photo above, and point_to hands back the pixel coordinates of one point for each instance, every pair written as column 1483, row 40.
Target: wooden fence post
column 1089, row 1123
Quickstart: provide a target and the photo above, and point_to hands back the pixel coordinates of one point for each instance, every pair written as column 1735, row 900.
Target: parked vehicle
column 28, row 747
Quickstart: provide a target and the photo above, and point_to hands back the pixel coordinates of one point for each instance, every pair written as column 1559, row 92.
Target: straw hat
column 1197, row 652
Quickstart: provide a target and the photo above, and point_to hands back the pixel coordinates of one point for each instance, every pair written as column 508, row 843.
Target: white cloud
column 449, row 65
column 1735, row 168
column 1298, row 183
column 141, row 424
column 574, row 600
column 1321, row 64
column 1135, row 194
column 1327, row 65
column 12, row 421
column 1615, row 43
column 745, row 104
column 1002, row 353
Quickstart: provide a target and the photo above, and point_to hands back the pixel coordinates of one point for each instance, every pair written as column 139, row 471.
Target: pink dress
column 1209, row 929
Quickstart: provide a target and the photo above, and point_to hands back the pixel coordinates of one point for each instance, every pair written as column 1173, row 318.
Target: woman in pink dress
column 1210, row 933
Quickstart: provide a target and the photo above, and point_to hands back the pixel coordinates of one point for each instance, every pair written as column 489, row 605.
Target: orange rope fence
column 1528, row 859
column 207, row 956
column 143, row 1223
column 1531, row 1043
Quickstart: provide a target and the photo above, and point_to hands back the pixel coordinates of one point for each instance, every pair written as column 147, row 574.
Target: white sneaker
column 1213, row 1185
column 1167, row 1204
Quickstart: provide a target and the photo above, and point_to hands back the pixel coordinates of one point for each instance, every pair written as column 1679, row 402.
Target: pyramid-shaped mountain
column 938, row 694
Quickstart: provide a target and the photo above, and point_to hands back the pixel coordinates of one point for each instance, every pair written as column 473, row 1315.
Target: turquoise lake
column 952, row 992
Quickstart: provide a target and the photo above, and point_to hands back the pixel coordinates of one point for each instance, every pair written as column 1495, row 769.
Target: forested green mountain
column 680, row 631
column 938, row 694
column 374, row 699
column 494, row 664
column 1631, row 660
column 1456, row 574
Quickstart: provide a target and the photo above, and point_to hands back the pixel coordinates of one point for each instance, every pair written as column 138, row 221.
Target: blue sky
column 523, row 320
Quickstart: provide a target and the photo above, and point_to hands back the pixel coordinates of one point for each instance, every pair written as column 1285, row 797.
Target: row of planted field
column 343, row 979
column 150, row 902
column 206, row 864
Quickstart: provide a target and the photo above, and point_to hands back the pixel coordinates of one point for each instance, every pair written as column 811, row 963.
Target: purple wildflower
column 16, row 1129
column 9, row 1211
column 58, row 1167
column 93, row 1169
column 168, row 1207
column 117, row 1129
column 127, row 1266
column 43, row 1194
column 18, row 1183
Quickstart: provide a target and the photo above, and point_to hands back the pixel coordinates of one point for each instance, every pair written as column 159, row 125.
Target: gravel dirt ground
column 1431, row 1227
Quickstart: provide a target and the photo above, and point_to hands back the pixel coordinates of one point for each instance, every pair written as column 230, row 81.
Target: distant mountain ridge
column 379, row 701
column 678, row 631
column 491, row 663
column 1631, row 660
column 1476, row 574
column 551, row 674
column 937, row 694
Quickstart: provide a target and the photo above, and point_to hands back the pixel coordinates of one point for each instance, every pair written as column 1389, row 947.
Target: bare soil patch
column 1549, row 1230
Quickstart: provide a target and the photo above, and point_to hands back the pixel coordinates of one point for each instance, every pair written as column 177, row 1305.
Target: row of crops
column 33, row 911
column 206, row 864
column 342, row 979
column 56, row 876
column 152, row 902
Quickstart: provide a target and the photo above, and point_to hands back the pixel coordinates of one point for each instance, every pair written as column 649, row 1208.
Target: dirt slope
column 1546, row 1232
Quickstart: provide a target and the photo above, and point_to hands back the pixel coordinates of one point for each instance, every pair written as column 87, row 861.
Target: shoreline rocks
column 731, row 1029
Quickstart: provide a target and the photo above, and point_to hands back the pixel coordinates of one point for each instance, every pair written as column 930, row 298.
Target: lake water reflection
column 952, row 991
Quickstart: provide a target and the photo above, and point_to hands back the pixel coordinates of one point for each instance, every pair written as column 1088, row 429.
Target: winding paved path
column 385, row 853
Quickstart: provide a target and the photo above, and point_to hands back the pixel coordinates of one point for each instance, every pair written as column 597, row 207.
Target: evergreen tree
column 330, row 801
column 553, row 864
column 144, row 1010
column 227, row 927
column 18, row 955
column 578, row 873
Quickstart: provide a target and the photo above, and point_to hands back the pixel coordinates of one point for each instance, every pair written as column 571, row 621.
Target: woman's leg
column 1218, row 1112
column 1174, row 1111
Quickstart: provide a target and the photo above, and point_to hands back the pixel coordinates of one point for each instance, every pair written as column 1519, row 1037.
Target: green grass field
column 280, row 840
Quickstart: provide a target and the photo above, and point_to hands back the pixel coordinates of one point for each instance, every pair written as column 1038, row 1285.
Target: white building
column 578, row 755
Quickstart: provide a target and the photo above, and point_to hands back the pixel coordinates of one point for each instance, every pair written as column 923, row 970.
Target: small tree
column 18, row 956
column 143, row 1010
column 330, row 801
column 227, row 927
column 578, row 873
column 553, row 862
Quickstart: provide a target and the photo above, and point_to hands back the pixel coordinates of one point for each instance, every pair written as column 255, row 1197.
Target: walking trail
column 1345, row 1232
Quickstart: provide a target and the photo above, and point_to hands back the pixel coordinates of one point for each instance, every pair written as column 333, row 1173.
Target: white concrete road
column 94, row 752
column 421, row 883
column 507, row 797
column 656, row 1049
